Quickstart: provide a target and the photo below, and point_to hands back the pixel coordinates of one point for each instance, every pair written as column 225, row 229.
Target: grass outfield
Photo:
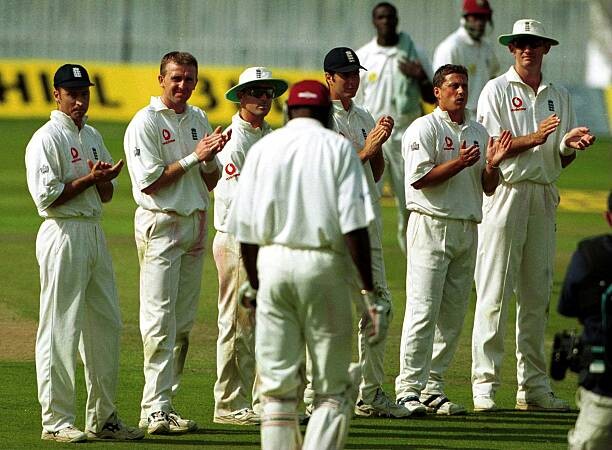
column 583, row 186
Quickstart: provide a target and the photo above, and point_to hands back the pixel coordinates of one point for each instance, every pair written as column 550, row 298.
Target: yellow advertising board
column 26, row 89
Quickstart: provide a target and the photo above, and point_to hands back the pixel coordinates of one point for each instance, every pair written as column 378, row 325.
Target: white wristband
column 567, row 151
column 209, row 166
column 189, row 161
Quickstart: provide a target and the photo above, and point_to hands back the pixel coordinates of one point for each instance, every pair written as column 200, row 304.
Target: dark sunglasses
column 259, row 92
column 526, row 41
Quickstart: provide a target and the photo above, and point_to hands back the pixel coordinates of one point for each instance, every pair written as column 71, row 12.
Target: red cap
column 308, row 93
column 477, row 7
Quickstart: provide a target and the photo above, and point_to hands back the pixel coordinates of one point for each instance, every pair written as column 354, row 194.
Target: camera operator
column 586, row 295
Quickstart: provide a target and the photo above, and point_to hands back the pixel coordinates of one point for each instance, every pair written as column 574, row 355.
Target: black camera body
column 567, row 353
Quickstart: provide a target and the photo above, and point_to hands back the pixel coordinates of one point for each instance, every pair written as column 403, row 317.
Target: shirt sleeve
column 142, row 148
column 442, row 55
column 419, row 150
column 238, row 152
column 244, row 206
column 488, row 111
column 568, row 109
column 354, row 204
column 105, row 155
column 424, row 59
column 43, row 171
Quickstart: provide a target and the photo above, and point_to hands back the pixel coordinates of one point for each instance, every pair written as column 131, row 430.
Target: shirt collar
column 239, row 122
column 157, row 105
column 465, row 37
column 339, row 109
column 513, row 77
column 304, row 121
column 65, row 120
column 443, row 115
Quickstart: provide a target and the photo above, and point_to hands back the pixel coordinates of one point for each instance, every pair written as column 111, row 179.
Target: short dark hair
column 447, row 69
column 182, row 58
column 384, row 5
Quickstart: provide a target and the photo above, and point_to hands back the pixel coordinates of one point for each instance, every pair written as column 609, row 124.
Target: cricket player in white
column 171, row 155
column 302, row 200
column 446, row 175
column 254, row 93
column 398, row 76
column 341, row 67
column 70, row 174
column 466, row 47
column 517, row 234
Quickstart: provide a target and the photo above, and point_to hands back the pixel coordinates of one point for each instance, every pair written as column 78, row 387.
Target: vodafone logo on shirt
column 166, row 137
column 231, row 171
column 517, row 104
column 75, row 154
column 448, row 144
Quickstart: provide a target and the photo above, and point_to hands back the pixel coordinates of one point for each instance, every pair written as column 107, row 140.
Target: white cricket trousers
column 79, row 308
column 515, row 256
column 371, row 357
column 394, row 166
column 171, row 254
column 439, row 274
column 304, row 300
column 236, row 340
column 593, row 428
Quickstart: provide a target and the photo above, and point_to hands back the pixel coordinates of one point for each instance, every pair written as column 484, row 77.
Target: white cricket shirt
column 430, row 141
column 507, row 103
column 232, row 159
column 477, row 57
column 157, row 137
column 355, row 124
column 301, row 186
column 57, row 154
column 384, row 89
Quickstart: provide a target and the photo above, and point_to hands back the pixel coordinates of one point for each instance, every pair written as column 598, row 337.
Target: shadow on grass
column 522, row 428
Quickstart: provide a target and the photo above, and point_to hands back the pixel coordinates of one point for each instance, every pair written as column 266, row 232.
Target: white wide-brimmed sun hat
column 527, row 28
column 254, row 76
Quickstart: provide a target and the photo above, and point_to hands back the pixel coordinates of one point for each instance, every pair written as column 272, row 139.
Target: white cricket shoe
column 412, row 403
column 161, row 422
column 244, row 416
column 114, row 428
column 68, row 434
column 484, row 404
column 158, row 423
column 179, row 424
column 382, row 406
column 440, row 404
column 547, row 402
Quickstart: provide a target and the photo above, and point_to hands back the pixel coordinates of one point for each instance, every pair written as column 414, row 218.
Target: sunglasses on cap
column 523, row 42
column 258, row 92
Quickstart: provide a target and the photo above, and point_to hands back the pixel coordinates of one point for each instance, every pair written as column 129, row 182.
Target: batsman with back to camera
column 517, row 235
column 171, row 153
column 342, row 67
column 236, row 376
column 398, row 77
column 70, row 174
column 301, row 209
column 446, row 175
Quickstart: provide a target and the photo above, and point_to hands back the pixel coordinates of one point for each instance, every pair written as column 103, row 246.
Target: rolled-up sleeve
column 418, row 150
column 142, row 149
column 43, row 171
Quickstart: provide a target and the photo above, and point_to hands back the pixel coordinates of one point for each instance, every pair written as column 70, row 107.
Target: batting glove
column 376, row 318
column 247, row 295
